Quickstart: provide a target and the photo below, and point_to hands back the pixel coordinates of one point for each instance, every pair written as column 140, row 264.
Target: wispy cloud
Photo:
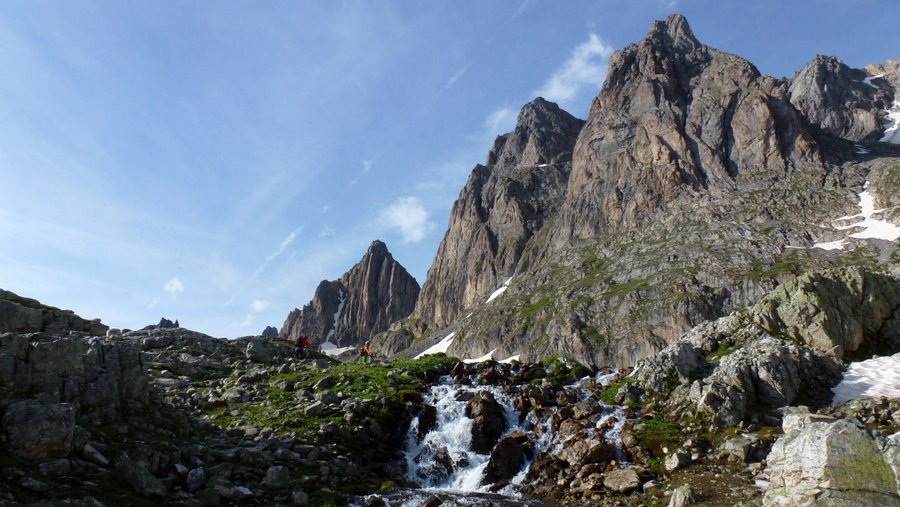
column 153, row 302
column 259, row 305
column 454, row 78
column 408, row 216
column 327, row 232
column 174, row 286
column 586, row 67
column 500, row 120
column 286, row 242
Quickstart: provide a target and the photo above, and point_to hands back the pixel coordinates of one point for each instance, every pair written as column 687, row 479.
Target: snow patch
column 872, row 227
column 439, row 347
column 543, row 165
column 331, row 349
column 879, row 376
column 869, row 80
column 499, row 291
column 486, row 357
column 511, row 359
column 861, row 150
column 892, row 124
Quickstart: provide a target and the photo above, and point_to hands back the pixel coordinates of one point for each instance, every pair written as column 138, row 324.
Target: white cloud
column 269, row 258
column 174, row 286
column 284, row 244
column 152, row 303
column 327, row 232
column 586, row 67
column 248, row 320
column 408, row 216
column 500, row 120
column 453, row 79
column 259, row 305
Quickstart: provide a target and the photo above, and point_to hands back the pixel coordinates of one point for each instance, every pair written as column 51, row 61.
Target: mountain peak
column 674, row 31
column 377, row 248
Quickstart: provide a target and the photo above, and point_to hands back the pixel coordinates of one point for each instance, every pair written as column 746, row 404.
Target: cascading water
column 442, row 459
column 441, row 462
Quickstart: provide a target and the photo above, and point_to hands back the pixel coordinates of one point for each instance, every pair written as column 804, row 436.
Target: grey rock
column 738, row 448
column 196, row 479
column 829, row 463
column 139, row 477
column 56, row 467
column 89, row 453
column 37, row 431
column 508, row 457
column 622, row 480
column 488, row 423
column 24, row 315
column 270, row 332
column 278, row 477
column 677, row 460
column 681, row 496
column 266, row 351
column 581, row 451
column 299, row 497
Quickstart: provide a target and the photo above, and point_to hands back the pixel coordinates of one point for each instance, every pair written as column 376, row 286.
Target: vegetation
column 654, row 434
column 608, row 395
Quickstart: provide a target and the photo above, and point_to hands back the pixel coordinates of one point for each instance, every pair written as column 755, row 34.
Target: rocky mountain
column 25, row 315
column 374, row 293
column 695, row 186
column 270, row 332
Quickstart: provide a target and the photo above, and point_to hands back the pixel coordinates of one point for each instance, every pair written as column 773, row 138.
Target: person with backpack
column 364, row 355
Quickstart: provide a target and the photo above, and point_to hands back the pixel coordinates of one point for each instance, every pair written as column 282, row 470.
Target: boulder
column 37, row 431
column 580, row 451
column 139, row 477
column 829, row 463
column 265, row 351
column 681, row 497
column 508, row 457
column 278, row 477
column 489, row 422
column 622, row 480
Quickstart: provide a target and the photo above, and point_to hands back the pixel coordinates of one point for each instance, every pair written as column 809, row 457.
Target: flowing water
column 442, row 464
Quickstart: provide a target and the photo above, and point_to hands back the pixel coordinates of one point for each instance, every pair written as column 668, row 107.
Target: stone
column 508, row 457
column 278, row 477
column 581, row 451
column 676, row 460
column 622, row 480
column 489, row 423
column 138, row 476
column 299, row 497
column 196, row 479
column 681, row 496
column 738, row 447
column 89, row 453
column 37, row 431
column 56, row 467
column 829, row 463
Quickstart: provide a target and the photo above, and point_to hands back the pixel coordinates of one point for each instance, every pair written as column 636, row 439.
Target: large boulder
column 37, row 431
column 489, row 422
column 830, row 462
column 508, row 457
column 138, row 476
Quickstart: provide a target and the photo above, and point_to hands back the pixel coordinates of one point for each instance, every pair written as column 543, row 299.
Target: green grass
column 722, row 351
column 608, row 395
column 654, row 434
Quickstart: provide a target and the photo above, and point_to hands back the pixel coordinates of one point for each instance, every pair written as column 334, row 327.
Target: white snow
column 833, row 245
column 486, row 357
column 543, row 165
column 861, row 150
column 499, row 291
column 511, row 359
column 869, row 79
column 872, row 227
column 892, row 124
column 337, row 315
column 331, row 349
column 879, row 376
column 439, row 347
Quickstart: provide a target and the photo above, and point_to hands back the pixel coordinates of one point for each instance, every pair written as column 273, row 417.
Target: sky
column 211, row 162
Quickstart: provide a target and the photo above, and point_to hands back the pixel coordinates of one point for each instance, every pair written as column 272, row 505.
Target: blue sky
column 213, row 161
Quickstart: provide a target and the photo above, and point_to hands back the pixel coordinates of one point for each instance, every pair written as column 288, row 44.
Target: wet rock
column 432, row 501
column 427, row 421
column 622, row 480
column 442, row 457
column 374, row 501
column 489, row 421
column 829, row 463
column 508, row 457
column 37, row 431
column 139, row 477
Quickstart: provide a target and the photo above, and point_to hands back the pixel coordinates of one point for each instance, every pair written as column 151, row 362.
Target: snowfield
column 872, row 227
column 439, row 347
column 892, row 124
column 499, row 291
column 879, row 376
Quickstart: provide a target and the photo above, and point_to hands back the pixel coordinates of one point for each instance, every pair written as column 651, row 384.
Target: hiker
column 301, row 345
column 364, row 355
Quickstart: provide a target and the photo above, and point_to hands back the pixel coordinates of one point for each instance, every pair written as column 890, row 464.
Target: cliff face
column 364, row 301
column 696, row 185
column 25, row 315
column 502, row 205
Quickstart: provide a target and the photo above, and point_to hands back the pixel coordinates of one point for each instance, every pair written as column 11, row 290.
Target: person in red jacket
column 364, row 355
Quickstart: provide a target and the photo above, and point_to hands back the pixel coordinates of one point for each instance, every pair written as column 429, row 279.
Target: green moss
column 654, row 434
column 724, row 349
column 530, row 310
column 608, row 395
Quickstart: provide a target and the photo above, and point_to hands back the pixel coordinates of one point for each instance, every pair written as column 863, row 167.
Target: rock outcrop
column 843, row 102
column 25, row 315
column 376, row 292
column 831, row 462
column 503, row 204
column 270, row 332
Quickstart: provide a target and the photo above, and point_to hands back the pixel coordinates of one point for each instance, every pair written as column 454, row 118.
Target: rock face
column 25, row 315
column 376, row 292
column 504, row 203
column 696, row 186
column 37, row 431
column 830, row 462
column 270, row 332
column 839, row 100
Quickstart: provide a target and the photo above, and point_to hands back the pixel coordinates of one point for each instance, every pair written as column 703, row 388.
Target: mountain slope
column 364, row 301
column 696, row 186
